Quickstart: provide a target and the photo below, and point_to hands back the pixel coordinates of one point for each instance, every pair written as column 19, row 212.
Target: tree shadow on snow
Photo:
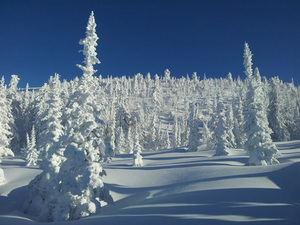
column 220, row 206
column 14, row 201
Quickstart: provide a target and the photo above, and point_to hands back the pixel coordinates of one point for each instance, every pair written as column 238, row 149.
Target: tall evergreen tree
column 15, row 120
column 194, row 125
column 74, row 172
column 32, row 154
column 5, row 130
column 259, row 145
column 89, row 48
column 276, row 112
column 230, row 127
column 221, row 129
column 238, row 123
column 248, row 60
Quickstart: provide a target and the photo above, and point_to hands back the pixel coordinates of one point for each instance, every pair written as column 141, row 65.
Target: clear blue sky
column 40, row 37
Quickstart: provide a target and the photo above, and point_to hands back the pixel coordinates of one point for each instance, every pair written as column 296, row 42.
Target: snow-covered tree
column 248, row 60
column 89, row 48
column 32, row 154
column 207, row 138
column 15, row 120
column 230, row 127
column 175, row 131
column 26, row 107
column 259, row 145
column 167, row 76
column 166, row 140
column 157, row 92
column 221, row 129
column 276, row 112
column 51, row 117
column 239, row 122
column 5, row 130
column 120, row 141
column 73, row 172
column 194, row 126
column 137, row 150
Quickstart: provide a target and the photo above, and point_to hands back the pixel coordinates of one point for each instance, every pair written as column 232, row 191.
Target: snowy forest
column 70, row 129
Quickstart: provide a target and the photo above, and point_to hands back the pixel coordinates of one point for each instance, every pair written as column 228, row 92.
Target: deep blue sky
column 39, row 38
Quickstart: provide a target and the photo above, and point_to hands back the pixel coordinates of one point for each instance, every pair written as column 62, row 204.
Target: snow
column 179, row 187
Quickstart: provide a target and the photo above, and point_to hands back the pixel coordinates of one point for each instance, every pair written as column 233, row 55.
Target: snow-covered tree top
column 248, row 60
column 89, row 48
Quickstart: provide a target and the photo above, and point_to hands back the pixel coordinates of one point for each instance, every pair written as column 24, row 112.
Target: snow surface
column 179, row 187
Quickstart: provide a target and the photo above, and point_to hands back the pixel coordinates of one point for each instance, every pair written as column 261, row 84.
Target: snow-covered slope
column 178, row 187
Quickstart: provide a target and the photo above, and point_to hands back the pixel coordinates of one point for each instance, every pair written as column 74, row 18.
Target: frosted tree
column 137, row 150
column 89, row 48
column 229, row 78
column 230, row 127
column 166, row 140
column 175, row 138
column 153, row 136
column 167, row 76
column 51, row 117
column 40, row 112
column 238, row 123
column 15, row 120
column 276, row 118
column 159, row 137
column 221, row 129
column 248, row 60
column 194, row 125
column 5, row 130
column 259, row 145
column 26, row 106
column 157, row 93
column 120, row 141
column 207, row 137
column 32, row 154
column 71, row 185
column 129, row 141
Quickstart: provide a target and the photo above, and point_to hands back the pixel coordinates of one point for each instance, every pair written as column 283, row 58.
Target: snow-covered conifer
column 73, row 172
column 206, row 137
column 137, row 150
column 157, row 93
column 276, row 112
column 230, row 127
column 221, row 129
column 129, row 141
column 15, row 120
column 32, row 154
column 166, row 140
column 259, row 145
column 89, row 48
column 51, row 117
column 229, row 78
column 248, row 60
column 194, row 126
column 120, row 141
column 5, row 129
column 239, row 122
column 167, row 76
column 175, row 136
